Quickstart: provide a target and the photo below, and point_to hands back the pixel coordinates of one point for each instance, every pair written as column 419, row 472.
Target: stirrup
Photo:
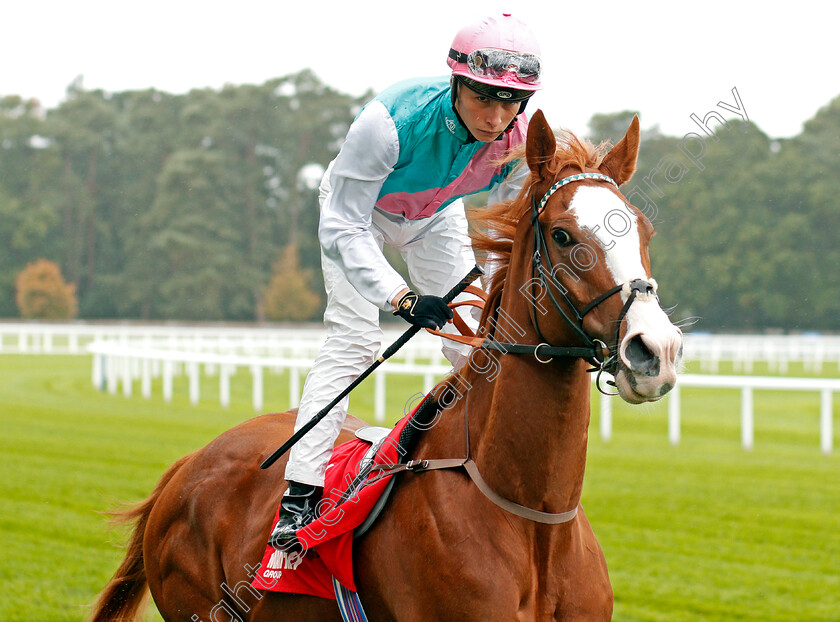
column 298, row 508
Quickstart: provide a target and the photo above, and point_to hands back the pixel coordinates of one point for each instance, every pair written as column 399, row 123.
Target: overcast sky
column 666, row 59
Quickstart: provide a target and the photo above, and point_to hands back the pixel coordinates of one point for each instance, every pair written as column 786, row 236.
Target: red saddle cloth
column 328, row 541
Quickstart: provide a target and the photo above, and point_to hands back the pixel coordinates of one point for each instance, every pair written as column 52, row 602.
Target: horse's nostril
column 640, row 358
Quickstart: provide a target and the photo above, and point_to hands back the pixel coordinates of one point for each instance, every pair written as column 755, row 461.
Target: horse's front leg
column 588, row 595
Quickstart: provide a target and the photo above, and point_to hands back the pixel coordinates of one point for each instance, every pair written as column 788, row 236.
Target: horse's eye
column 562, row 237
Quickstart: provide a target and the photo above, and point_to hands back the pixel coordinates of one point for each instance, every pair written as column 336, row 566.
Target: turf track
column 700, row 531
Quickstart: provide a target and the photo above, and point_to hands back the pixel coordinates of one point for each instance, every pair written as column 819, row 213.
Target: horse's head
column 590, row 265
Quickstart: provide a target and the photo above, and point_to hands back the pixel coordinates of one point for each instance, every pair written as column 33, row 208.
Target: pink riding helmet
column 501, row 52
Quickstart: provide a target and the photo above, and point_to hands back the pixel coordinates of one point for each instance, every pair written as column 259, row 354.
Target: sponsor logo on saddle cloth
column 280, row 561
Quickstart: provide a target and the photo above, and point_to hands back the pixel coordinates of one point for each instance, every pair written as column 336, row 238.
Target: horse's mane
column 493, row 228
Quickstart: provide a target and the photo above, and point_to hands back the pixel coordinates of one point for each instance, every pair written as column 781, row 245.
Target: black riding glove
column 425, row 311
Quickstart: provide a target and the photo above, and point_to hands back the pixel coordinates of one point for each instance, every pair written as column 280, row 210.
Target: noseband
column 603, row 358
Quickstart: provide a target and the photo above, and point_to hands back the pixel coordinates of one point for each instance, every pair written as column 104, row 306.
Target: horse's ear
column 539, row 146
column 620, row 162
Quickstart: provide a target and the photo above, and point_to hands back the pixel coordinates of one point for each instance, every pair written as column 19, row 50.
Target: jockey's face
column 485, row 118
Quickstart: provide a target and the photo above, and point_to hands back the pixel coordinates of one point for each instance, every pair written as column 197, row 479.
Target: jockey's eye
column 562, row 237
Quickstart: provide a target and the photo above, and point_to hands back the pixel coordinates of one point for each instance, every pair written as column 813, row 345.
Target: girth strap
column 416, row 466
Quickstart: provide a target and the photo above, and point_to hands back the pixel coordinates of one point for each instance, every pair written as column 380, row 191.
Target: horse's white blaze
column 608, row 220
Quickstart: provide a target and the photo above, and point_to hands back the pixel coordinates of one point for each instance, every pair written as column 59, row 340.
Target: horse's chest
column 495, row 580
column 448, row 562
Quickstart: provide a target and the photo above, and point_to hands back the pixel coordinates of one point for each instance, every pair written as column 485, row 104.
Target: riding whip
column 389, row 352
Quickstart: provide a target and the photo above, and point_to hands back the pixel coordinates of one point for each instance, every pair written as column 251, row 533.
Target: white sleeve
column 509, row 189
column 367, row 157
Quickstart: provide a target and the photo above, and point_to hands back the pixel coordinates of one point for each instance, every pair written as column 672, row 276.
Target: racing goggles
column 491, row 63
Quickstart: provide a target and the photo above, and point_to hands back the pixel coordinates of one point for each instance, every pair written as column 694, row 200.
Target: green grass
column 700, row 531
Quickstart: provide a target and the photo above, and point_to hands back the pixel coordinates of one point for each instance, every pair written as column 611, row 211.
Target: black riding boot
column 297, row 509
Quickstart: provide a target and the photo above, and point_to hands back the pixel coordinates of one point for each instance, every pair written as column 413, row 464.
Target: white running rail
column 114, row 363
column 813, row 350
column 124, row 353
column 826, row 387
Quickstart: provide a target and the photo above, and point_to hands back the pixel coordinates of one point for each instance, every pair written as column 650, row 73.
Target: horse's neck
column 529, row 422
column 528, row 431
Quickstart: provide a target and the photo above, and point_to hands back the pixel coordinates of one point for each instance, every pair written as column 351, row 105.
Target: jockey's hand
column 424, row 311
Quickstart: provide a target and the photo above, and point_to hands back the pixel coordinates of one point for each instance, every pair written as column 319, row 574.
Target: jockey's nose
column 495, row 114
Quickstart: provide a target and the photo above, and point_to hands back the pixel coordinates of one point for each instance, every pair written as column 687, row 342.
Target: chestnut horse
column 572, row 286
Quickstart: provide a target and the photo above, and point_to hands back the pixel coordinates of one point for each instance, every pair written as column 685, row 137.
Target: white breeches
column 438, row 254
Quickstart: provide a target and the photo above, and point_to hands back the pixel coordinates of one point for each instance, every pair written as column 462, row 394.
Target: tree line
column 203, row 206
column 160, row 206
column 747, row 237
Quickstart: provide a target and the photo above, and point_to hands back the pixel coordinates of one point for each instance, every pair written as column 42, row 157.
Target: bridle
column 603, row 357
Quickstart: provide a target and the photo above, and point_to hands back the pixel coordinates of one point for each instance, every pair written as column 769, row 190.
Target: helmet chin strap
column 453, row 88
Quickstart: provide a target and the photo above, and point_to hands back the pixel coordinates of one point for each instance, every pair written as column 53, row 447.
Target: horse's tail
column 125, row 596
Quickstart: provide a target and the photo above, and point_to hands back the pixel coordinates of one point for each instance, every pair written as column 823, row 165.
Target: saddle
column 359, row 480
column 426, row 412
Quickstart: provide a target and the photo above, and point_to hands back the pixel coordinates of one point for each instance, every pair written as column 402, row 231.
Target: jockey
column 409, row 157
